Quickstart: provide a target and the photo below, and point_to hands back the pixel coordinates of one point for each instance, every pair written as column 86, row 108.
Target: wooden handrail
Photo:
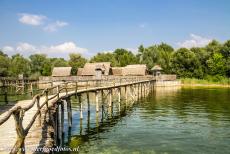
column 18, row 111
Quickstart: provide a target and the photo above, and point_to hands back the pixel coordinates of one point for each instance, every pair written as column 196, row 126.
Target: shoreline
column 204, row 85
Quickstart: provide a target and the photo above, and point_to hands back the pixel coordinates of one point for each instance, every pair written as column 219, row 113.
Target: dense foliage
column 211, row 61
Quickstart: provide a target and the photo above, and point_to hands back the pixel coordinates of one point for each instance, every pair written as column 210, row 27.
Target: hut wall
column 79, row 71
column 117, row 71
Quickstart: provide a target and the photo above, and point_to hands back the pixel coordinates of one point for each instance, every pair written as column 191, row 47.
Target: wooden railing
column 18, row 112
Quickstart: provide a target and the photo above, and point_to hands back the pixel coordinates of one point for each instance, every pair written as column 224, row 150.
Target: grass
column 214, row 80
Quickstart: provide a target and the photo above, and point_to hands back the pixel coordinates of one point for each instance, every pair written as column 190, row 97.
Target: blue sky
column 58, row 27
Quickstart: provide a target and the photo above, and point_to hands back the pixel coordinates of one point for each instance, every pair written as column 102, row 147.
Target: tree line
column 210, row 61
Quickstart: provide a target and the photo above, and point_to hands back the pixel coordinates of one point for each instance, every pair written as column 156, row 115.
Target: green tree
column 76, row 61
column 228, row 67
column 59, row 62
column 150, row 56
column 124, row 57
column 165, row 52
column 104, row 57
column 20, row 65
column 202, row 55
column 4, row 64
column 3, row 54
column 226, row 49
column 217, row 64
column 213, row 47
column 141, row 50
column 186, row 64
column 47, row 67
column 165, row 47
column 37, row 62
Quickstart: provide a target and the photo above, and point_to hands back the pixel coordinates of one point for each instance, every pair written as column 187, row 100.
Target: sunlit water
column 184, row 120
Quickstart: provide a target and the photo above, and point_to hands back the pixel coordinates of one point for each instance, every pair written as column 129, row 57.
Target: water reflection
column 169, row 120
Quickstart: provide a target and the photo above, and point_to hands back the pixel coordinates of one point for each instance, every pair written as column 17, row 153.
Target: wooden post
column 141, row 89
column 126, row 94
column 153, row 84
column 66, row 88
column 135, row 94
column 147, row 88
column 19, row 146
column 62, row 122
column 5, row 93
column 69, row 110
column 76, row 87
column 119, row 94
column 23, row 86
column 102, row 112
column 144, row 90
column 132, row 92
column 97, row 101
column 150, row 86
column 58, row 87
column 110, row 97
column 80, row 127
column 88, row 101
column 102, row 96
column 81, row 110
column 97, row 121
column 57, row 125
column 38, row 108
column 119, row 99
column 138, row 91
column 47, row 94
column 88, row 120
column 31, row 88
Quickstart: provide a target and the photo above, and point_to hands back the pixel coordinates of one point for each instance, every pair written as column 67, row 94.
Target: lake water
column 170, row 120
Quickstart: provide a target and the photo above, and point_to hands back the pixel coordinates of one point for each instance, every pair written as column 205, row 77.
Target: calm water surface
column 184, row 120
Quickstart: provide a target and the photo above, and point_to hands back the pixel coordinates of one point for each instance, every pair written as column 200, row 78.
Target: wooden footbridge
column 39, row 123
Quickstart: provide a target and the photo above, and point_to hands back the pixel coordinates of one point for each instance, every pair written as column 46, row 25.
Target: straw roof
column 90, row 68
column 79, row 71
column 138, row 69
column 156, row 68
column 61, row 71
column 117, row 70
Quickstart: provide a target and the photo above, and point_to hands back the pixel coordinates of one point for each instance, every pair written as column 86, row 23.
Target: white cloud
column 54, row 26
column 195, row 41
column 8, row 49
column 67, row 47
column 41, row 20
column 133, row 50
column 107, row 51
column 26, row 47
column 31, row 19
column 59, row 50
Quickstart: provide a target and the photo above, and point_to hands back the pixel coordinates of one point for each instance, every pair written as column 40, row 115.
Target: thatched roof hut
column 157, row 68
column 117, row 70
column 61, row 71
column 91, row 68
column 138, row 69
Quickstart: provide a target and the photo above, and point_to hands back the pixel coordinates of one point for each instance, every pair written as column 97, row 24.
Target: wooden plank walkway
column 8, row 132
column 35, row 136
